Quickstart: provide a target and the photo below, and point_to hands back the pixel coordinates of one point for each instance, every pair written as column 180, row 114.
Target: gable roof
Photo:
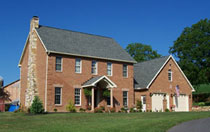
column 146, row 72
column 94, row 80
column 81, row 44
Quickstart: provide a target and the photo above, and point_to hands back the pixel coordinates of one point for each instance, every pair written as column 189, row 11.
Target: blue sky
column 153, row 22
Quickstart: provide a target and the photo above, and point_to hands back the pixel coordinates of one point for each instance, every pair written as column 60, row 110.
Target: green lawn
column 115, row 122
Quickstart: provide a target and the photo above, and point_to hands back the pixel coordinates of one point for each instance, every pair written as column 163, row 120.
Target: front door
column 143, row 101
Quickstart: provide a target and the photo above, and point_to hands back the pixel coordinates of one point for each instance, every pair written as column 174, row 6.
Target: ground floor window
column 125, row 98
column 57, row 95
column 77, row 96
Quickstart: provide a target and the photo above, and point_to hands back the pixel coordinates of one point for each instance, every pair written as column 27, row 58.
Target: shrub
column 98, row 110
column 82, row 110
column 139, row 105
column 55, row 110
column 106, row 93
column 102, row 108
column 132, row 110
column 167, row 110
column 70, row 107
column 124, row 109
column 87, row 92
column 36, row 107
column 201, row 103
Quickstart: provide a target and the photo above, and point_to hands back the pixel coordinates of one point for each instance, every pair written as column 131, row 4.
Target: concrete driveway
column 200, row 125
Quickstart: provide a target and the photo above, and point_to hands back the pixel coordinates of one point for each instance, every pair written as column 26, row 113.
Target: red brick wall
column 40, row 71
column 69, row 80
column 162, row 85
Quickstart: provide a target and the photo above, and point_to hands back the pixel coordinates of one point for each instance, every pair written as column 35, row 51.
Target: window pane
column 125, row 71
column 58, row 60
column 78, row 66
column 57, row 95
column 58, row 63
column 109, row 68
column 77, row 96
column 94, row 67
column 125, row 98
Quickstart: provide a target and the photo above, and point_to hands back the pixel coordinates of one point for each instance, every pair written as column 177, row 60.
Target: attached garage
column 181, row 103
column 157, row 102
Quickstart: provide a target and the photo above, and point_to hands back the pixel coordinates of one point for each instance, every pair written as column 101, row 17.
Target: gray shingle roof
column 77, row 43
column 91, row 80
column 145, row 71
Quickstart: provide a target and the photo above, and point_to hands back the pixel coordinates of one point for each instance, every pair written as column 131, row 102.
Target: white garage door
column 157, row 102
column 181, row 103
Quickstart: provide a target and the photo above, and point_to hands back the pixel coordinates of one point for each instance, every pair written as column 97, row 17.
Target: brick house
column 13, row 89
column 60, row 65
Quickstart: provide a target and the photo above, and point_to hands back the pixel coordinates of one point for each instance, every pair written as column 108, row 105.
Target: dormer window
column 169, row 75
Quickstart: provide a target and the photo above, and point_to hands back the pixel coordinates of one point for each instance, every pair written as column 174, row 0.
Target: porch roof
column 94, row 80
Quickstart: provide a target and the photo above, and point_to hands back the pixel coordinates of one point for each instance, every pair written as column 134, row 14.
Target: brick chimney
column 34, row 23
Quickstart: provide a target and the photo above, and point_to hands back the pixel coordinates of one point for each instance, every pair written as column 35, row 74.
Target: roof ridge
column 152, row 59
column 76, row 31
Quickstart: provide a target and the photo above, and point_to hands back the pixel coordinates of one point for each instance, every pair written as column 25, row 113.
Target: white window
column 58, row 64
column 125, row 98
column 78, row 66
column 125, row 70
column 57, row 95
column 109, row 69
column 169, row 75
column 77, row 96
column 94, row 69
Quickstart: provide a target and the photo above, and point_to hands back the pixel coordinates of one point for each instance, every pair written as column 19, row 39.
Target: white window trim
column 60, row 97
column 80, row 65
column 127, row 98
column 127, row 70
column 111, row 69
column 79, row 95
column 96, row 67
column 61, row 64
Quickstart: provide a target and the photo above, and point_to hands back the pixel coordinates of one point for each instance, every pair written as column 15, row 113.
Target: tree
column 36, row 107
column 192, row 48
column 4, row 94
column 141, row 52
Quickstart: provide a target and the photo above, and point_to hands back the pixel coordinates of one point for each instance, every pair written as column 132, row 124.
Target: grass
column 92, row 122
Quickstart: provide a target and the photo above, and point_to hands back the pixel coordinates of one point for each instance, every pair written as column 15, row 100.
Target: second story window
column 78, row 66
column 94, row 67
column 58, row 64
column 109, row 69
column 169, row 75
column 125, row 70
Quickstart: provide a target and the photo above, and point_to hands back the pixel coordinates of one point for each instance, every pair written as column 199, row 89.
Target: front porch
column 101, row 92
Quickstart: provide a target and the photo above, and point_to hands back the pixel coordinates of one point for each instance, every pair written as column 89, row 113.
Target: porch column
column 92, row 106
column 111, row 96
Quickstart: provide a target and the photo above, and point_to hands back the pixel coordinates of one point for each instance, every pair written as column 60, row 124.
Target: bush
column 87, row 92
column 36, row 107
column 106, row 93
column 102, row 108
column 201, row 103
column 139, row 105
column 70, row 107
column 98, row 110
column 82, row 110
column 167, row 110
column 124, row 109
column 132, row 110
column 55, row 110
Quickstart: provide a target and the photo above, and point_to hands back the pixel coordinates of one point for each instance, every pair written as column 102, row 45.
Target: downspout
column 45, row 107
